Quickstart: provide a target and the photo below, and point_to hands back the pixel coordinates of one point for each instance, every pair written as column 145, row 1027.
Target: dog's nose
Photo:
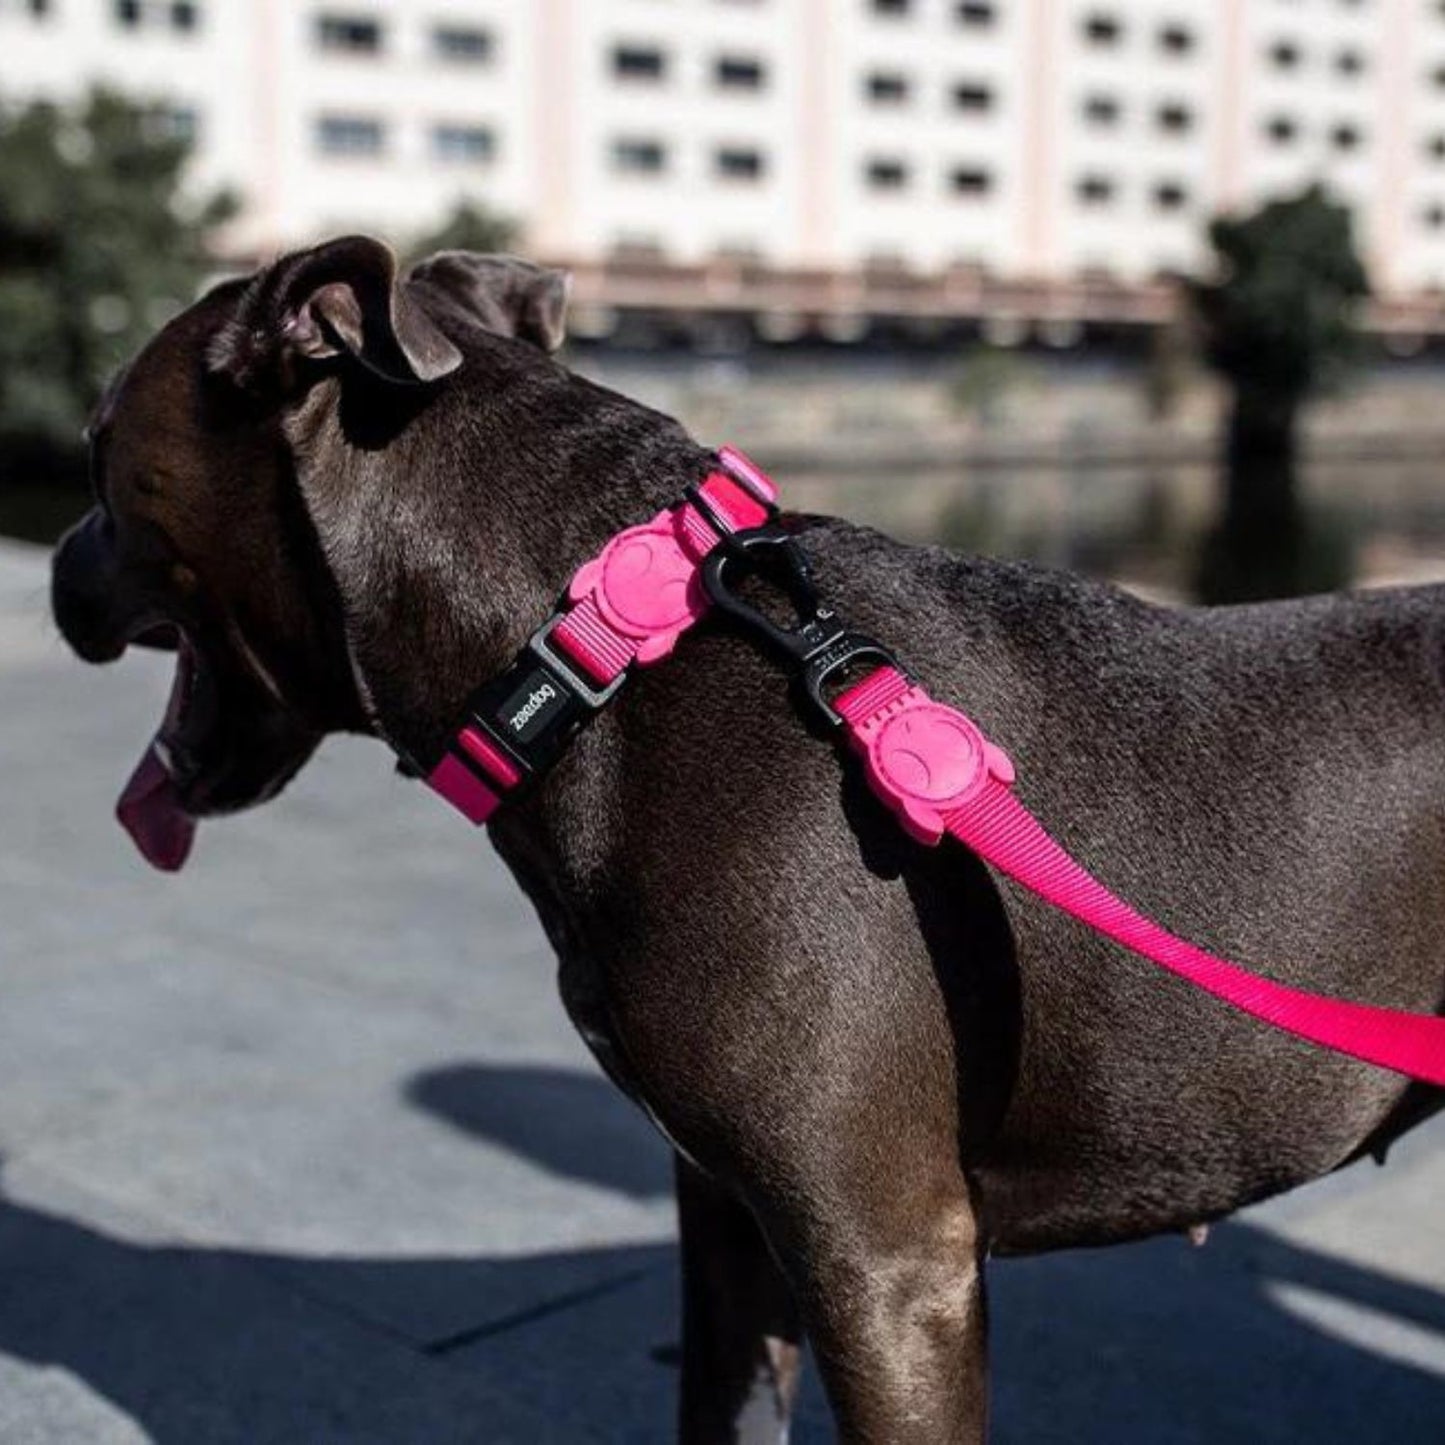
column 83, row 576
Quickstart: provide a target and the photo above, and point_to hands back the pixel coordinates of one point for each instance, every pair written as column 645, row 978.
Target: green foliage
column 98, row 246
column 1279, row 319
column 1279, row 327
column 470, row 227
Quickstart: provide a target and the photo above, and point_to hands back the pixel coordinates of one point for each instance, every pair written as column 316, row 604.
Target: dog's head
column 202, row 540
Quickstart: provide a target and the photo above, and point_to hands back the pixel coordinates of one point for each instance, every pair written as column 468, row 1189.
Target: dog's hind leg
column 740, row 1346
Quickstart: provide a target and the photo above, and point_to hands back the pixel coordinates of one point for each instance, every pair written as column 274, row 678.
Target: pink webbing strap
column 629, row 604
column 644, row 589
column 933, row 767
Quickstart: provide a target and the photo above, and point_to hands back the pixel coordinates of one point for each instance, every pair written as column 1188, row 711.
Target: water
column 1140, row 522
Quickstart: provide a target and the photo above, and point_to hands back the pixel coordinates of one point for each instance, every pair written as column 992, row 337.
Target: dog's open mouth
column 152, row 807
column 222, row 745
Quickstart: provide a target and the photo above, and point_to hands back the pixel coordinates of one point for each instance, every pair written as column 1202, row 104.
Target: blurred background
column 995, row 272
column 301, row 1148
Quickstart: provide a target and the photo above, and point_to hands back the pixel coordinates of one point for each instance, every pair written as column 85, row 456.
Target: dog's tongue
column 150, row 806
column 150, row 811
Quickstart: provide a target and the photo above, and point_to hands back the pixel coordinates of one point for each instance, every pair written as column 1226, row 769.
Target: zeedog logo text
column 536, row 701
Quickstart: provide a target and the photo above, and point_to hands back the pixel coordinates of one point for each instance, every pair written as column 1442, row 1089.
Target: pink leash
column 936, row 770
column 928, row 762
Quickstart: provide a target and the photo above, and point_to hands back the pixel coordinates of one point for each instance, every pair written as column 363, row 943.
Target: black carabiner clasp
column 819, row 644
column 770, row 553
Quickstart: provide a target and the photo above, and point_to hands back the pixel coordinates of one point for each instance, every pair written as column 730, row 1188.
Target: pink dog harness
column 928, row 762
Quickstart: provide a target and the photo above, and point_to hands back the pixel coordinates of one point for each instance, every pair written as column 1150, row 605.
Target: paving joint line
column 569, row 1299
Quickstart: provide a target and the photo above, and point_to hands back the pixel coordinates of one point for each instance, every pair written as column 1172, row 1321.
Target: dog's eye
column 146, row 485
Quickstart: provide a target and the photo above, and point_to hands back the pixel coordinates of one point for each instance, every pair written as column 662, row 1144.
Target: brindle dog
column 348, row 497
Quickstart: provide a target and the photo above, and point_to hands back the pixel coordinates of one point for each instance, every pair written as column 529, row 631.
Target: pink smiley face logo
column 929, row 753
column 647, row 581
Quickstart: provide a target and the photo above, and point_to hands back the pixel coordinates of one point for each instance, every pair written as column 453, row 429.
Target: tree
column 98, row 246
column 469, row 227
column 1279, row 328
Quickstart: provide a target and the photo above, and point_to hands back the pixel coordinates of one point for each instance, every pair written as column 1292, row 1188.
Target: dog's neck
column 451, row 542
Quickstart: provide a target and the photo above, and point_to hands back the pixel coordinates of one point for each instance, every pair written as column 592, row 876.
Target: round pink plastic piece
column 644, row 582
column 931, row 753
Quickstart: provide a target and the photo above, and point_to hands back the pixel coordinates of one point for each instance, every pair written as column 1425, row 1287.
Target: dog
column 347, row 495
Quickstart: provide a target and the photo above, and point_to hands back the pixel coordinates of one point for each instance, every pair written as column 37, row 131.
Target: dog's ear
column 504, row 293
column 339, row 300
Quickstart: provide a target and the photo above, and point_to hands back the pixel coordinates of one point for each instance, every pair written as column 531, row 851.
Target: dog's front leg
column 893, row 1300
column 740, row 1343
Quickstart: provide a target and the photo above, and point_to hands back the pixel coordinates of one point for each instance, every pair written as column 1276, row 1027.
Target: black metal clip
column 819, row 644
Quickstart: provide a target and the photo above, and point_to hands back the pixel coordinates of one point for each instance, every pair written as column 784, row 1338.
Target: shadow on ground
column 1156, row 1343
column 567, row 1123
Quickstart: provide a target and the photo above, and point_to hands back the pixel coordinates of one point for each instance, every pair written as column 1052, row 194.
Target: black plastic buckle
column 819, row 645
column 539, row 704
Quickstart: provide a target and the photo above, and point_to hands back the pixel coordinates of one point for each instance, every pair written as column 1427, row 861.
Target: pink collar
column 928, row 762
column 629, row 605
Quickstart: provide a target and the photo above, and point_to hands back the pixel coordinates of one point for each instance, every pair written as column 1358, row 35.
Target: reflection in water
column 1137, row 521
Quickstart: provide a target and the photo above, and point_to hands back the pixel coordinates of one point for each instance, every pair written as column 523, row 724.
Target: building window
column 739, row 163
column 463, row 144
column 1176, row 39
column 348, row 34
column 1434, row 216
column 976, row 13
column 892, row 7
column 638, row 62
column 1101, row 110
column 463, row 44
column 1284, row 55
column 1435, row 147
column 1281, row 129
column 1350, row 63
column 1174, row 118
column 971, row 181
column 886, row 174
column 180, row 15
column 972, row 96
column 1100, row 29
column 1345, row 136
column 1170, row 196
column 350, row 135
column 739, row 72
column 1095, row 190
column 887, row 87
column 639, row 157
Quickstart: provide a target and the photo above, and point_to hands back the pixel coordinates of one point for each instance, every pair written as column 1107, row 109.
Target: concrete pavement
column 300, row 1148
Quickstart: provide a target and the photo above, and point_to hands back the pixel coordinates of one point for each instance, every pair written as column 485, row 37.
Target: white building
column 1027, row 142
